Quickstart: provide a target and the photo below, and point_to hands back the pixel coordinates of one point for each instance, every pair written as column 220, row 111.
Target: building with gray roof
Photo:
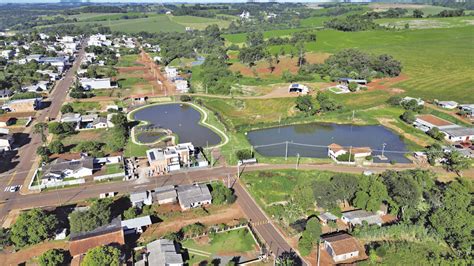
column 61, row 168
column 457, row 134
column 165, row 194
column 163, row 252
column 136, row 225
column 357, row 217
column 192, row 196
column 139, row 199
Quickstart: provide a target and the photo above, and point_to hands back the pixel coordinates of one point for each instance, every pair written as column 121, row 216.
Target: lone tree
column 32, row 227
column 456, row 162
column 40, row 128
column 103, row 255
column 52, row 257
column 417, row 13
column 221, row 194
column 310, row 236
column 304, row 104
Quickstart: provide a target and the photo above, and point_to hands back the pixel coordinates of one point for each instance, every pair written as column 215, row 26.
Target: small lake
column 323, row 134
column 181, row 119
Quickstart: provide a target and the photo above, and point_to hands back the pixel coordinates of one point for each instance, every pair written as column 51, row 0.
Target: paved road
column 27, row 153
column 260, row 222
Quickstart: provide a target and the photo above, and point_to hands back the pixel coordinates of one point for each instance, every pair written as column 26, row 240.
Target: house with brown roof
column 111, row 234
column 341, row 247
column 427, row 122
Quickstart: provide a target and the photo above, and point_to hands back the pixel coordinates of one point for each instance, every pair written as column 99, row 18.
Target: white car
column 14, row 188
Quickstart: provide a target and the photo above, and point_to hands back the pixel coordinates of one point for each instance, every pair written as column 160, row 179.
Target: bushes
column 194, row 229
column 310, row 236
column 408, row 117
column 244, row 154
column 435, row 133
column 185, row 98
column 102, row 255
column 52, row 257
column 59, row 128
column 221, row 194
column 98, row 214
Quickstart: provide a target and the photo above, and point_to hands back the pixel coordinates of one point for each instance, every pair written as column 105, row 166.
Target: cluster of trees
column 98, row 214
column 54, row 257
column 353, row 63
column 120, row 132
column 451, row 13
column 310, row 236
column 306, row 104
column 390, row 13
column 32, row 227
column 244, row 154
column 216, row 76
column 254, row 50
column 14, row 76
column 221, row 194
column 77, row 92
column 352, row 23
column 61, row 129
column 102, row 255
column 91, row 147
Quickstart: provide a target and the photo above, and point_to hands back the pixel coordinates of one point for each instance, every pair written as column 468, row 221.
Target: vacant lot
column 437, row 62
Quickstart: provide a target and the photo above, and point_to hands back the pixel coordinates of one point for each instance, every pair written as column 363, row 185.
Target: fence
column 111, row 176
column 57, row 184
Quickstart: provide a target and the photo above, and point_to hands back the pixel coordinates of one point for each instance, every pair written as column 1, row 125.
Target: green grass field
column 129, row 60
column 437, row 62
column 237, row 241
column 427, row 23
column 199, row 23
column 83, row 107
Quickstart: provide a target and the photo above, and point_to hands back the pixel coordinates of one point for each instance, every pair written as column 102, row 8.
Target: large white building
column 96, row 84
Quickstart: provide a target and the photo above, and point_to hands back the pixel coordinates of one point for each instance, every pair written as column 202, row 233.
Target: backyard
column 236, row 243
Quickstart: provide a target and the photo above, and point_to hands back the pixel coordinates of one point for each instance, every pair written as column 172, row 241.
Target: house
column 171, row 72
column 468, row 109
column 327, row 217
column 349, row 80
column 171, row 158
column 6, row 121
column 136, row 225
column 341, row 246
column 111, row 234
column 39, row 87
column 298, row 88
column 427, row 122
column 70, row 118
column 100, row 122
column 459, row 134
column 5, row 93
column 138, row 199
column 181, row 85
column 357, row 217
column 6, row 140
column 335, row 150
column 62, row 168
column 7, row 54
column 22, row 105
column 52, row 75
column 418, row 101
column 163, row 252
column 192, row 196
column 165, row 194
column 96, row 84
column 245, row 15
column 447, row 104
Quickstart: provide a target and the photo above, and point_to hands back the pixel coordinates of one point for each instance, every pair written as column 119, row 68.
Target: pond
column 311, row 140
column 181, row 119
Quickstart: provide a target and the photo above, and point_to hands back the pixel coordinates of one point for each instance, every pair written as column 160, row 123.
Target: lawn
column 236, row 241
column 84, row 107
column 437, row 62
column 128, row 83
column 199, row 23
column 113, row 168
column 135, row 150
column 128, row 61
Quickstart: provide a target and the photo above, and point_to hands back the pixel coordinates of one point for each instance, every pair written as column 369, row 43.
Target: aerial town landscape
column 236, row 132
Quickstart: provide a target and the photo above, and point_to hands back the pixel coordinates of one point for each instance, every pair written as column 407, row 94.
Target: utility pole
column 286, row 151
column 353, row 114
column 297, row 160
column 383, row 149
column 350, row 153
column 319, row 250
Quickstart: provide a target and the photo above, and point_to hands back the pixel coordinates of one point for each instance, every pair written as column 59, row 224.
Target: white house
column 181, row 85
column 357, row 217
column 41, row 86
column 459, row 134
column 6, row 140
column 192, row 196
column 447, row 104
column 298, row 88
column 336, row 150
column 468, row 109
column 61, row 168
column 96, row 84
column 171, row 72
column 341, row 246
column 245, row 15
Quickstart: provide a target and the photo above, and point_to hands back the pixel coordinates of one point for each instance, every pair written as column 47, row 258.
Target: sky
column 154, row 1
